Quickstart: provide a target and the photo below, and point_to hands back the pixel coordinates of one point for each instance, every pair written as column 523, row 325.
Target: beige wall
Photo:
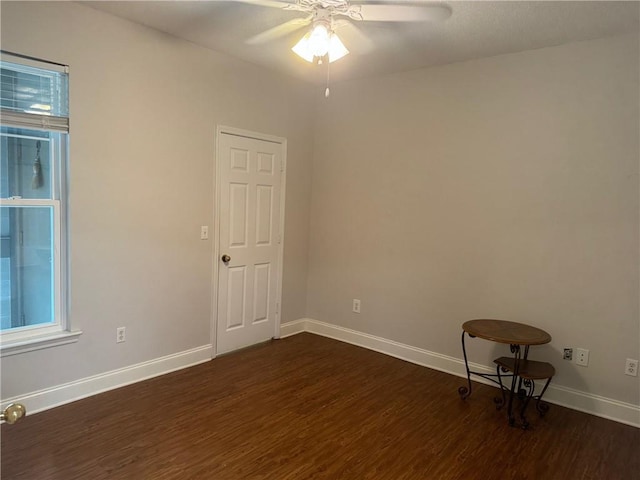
column 505, row 187
column 144, row 109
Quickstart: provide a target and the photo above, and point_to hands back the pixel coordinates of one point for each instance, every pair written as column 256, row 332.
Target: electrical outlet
column 582, row 357
column 631, row 367
column 356, row 305
column 121, row 334
column 568, row 354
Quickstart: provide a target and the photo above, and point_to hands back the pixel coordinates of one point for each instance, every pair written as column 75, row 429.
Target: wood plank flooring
column 308, row 407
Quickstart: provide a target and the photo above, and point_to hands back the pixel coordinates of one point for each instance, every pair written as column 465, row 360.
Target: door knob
column 13, row 413
column 226, row 258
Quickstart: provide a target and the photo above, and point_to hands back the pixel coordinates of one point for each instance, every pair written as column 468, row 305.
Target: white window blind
column 34, row 94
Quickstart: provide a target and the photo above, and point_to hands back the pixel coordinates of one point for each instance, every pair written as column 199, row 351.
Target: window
column 33, row 162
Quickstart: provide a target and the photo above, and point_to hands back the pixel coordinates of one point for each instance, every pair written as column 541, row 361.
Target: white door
column 250, row 174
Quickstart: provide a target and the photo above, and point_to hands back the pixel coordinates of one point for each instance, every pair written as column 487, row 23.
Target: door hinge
column 277, row 308
column 279, row 238
column 282, row 165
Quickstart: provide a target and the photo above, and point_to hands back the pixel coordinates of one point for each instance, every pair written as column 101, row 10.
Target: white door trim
column 223, row 129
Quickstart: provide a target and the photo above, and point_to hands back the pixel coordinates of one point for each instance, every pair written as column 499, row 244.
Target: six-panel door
column 250, row 192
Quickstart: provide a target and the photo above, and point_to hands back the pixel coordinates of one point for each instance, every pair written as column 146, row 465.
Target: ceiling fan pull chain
column 327, row 92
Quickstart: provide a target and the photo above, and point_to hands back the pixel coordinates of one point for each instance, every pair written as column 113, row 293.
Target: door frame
column 223, row 129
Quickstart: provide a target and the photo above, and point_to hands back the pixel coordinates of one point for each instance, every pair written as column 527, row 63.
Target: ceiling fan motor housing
column 322, row 9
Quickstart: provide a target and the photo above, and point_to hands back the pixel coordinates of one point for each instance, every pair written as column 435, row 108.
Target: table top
column 503, row 331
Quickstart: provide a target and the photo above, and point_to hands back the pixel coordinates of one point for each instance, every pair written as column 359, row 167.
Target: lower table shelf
column 525, row 373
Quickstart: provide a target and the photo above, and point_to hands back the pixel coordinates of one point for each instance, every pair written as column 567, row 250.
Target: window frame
column 60, row 332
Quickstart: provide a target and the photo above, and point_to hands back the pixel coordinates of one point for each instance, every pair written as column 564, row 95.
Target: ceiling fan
column 325, row 17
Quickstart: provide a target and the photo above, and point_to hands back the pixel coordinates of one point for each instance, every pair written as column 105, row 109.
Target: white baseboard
column 608, row 408
column 86, row 387
column 292, row 328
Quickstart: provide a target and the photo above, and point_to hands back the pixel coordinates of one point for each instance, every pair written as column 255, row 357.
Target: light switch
column 204, row 232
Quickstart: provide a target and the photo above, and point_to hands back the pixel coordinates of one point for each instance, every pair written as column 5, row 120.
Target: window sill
column 38, row 342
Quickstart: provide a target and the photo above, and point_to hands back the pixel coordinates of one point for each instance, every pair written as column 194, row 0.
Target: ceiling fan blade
column 403, row 12
column 281, row 4
column 265, row 3
column 356, row 40
column 279, row 30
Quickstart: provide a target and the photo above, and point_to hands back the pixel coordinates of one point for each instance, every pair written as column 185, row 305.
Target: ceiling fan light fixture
column 318, row 42
column 302, row 48
column 337, row 50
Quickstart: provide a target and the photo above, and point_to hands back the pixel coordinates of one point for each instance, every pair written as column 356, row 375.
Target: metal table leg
column 515, row 349
column 465, row 391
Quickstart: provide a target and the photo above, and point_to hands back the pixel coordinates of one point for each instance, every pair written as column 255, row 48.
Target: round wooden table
column 515, row 334
column 503, row 331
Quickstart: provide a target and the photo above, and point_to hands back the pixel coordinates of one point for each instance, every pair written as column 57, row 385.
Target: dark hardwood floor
column 307, row 407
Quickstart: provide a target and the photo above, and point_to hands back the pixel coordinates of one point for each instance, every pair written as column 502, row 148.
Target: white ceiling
column 475, row 29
